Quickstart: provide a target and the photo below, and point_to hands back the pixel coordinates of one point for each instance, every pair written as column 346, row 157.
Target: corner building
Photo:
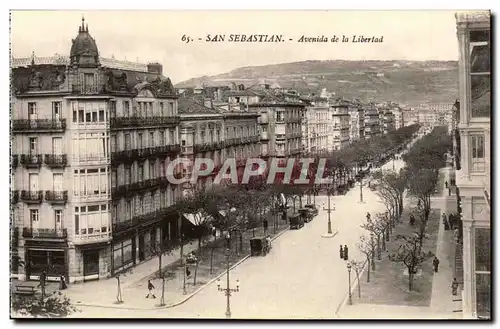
column 91, row 139
column 473, row 177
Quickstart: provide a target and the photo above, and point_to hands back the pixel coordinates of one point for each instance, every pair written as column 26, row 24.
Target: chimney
column 207, row 102
column 156, row 68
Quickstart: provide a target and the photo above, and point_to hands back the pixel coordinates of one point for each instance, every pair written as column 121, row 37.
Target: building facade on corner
column 90, row 140
column 473, row 178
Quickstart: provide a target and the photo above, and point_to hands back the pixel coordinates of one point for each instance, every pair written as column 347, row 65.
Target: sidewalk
column 442, row 298
column 103, row 293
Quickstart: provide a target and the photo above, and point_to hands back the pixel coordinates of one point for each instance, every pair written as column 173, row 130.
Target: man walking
column 341, row 252
column 151, row 289
column 435, row 262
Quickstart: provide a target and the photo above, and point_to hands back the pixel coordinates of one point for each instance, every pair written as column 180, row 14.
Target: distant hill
column 400, row 81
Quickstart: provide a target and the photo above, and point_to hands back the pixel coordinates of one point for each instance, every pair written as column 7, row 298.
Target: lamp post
column 228, row 290
column 350, row 293
column 329, row 210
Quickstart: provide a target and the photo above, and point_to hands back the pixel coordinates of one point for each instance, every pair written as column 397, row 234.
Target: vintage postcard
column 250, row 164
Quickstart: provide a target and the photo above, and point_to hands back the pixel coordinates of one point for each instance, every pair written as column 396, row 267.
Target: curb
column 188, row 297
column 353, row 287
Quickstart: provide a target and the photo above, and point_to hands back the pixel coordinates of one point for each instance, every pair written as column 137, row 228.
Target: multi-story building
column 315, row 124
column 340, row 123
column 387, row 121
column 473, row 178
column 357, row 118
column 397, row 112
column 372, row 123
column 280, row 117
column 209, row 132
column 90, row 140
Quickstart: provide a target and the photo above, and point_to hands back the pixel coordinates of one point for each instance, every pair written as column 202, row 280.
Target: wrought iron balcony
column 32, row 196
column 129, row 156
column 14, row 197
column 31, row 160
column 56, row 196
column 15, row 161
column 56, row 160
column 140, row 122
column 39, row 125
column 208, row 147
column 124, row 225
column 44, row 233
column 233, row 141
column 87, row 89
column 137, row 187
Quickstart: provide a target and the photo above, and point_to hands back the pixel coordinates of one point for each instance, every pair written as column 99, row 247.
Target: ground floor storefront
column 476, row 295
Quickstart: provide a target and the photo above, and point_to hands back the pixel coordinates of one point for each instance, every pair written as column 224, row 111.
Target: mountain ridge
column 396, row 80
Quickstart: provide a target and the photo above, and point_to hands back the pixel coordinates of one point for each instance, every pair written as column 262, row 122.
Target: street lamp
column 329, row 233
column 228, row 290
column 350, row 293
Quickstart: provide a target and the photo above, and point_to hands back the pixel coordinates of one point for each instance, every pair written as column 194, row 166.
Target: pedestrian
column 451, row 221
column 151, row 290
column 454, row 287
column 188, row 272
column 346, row 253
column 43, row 279
column 62, row 282
column 435, row 262
column 412, row 220
column 341, row 252
column 265, row 225
column 445, row 222
column 449, row 191
column 446, row 184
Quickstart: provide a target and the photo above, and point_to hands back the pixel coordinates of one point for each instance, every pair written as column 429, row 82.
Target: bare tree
column 372, row 228
column 365, row 246
column 411, row 255
column 357, row 266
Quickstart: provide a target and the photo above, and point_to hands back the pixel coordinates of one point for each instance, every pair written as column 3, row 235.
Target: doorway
column 141, row 247
column 90, row 265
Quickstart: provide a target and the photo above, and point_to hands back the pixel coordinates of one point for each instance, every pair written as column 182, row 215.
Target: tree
column 422, row 186
column 52, row 306
column 357, row 266
column 371, row 227
column 199, row 206
column 159, row 249
column 366, row 247
column 411, row 255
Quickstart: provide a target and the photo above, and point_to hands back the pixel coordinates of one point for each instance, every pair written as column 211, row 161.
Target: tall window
column 126, row 108
column 162, row 109
column 58, row 218
column 34, row 216
column 483, row 271
column 90, row 112
column 477, row 149
column 128, row 142
column 171, row 136
column 57, row 145
column 162, row 137
column 139, row 141
column 152, row 139
column 128, row 175
column 32, row 112
column 90, row 182
column 88, row 79
column 480, row 78
column 140, row 173
column 152, row 170
column 33, row 141
column 56, row 110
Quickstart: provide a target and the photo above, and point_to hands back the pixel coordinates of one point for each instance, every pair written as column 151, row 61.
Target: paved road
column 302, row 277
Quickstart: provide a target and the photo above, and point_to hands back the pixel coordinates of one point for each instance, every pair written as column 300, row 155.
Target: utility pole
column 329, row 210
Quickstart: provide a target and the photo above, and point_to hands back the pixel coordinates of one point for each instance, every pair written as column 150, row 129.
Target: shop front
column 53, row 261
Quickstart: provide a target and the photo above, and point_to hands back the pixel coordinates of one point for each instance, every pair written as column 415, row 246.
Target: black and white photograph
column 250, row 164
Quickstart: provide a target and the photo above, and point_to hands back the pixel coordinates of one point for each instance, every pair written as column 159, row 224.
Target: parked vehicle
column 296, row 221
column 312, row 209
column 259, row 246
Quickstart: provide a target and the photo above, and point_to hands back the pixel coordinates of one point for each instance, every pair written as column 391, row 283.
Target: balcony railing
column 15, row 161
column 129, row 156
column 14, row 197
column 233, row 141
column 39, row 125
column 87, row 89
column 135, row 122
column 32, row 196
column 137, row 187
column 56, row 196
column 31, row 160
column 209, row 147
column 44, row 233
column 124, row 225
column 56, row 160
column 155, row 215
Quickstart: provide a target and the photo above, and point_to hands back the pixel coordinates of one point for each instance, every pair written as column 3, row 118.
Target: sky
column 147, row 36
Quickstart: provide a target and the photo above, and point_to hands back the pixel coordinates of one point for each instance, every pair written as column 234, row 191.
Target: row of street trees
column 418, row 180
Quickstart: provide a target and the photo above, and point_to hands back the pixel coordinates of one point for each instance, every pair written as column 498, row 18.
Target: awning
column 197, row 219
